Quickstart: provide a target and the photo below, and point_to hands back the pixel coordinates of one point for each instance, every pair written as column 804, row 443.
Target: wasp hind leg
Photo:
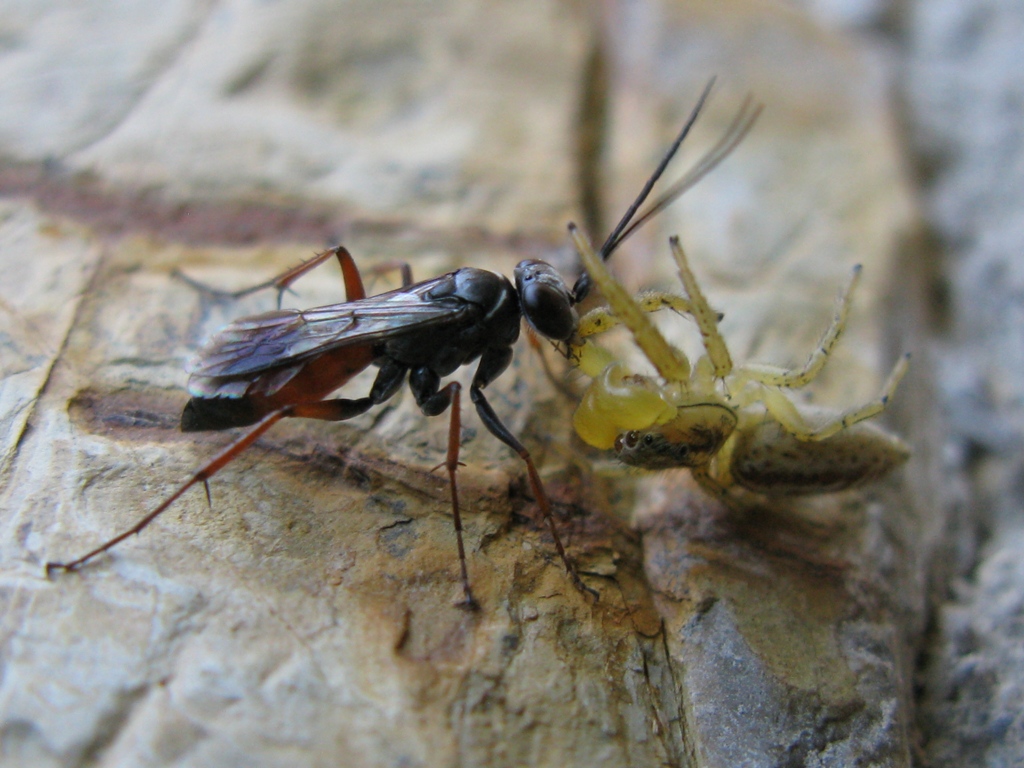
column 389, row 379
column 211, row 468
column 354, row 289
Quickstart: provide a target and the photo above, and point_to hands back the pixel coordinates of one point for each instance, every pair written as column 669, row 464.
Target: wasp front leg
column 706, row 319
column 796, row 423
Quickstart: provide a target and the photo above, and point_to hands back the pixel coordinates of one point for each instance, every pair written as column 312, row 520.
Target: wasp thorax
column 545, row 300
column 691, row 439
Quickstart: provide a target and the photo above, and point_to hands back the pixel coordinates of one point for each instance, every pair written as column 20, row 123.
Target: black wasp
column 284, row 364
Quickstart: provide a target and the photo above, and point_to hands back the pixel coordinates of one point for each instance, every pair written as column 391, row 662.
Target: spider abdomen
column 767, row 459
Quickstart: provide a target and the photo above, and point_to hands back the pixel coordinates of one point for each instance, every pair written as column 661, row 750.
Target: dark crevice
column 113, row 723
column 677, row 738
column 591, row 137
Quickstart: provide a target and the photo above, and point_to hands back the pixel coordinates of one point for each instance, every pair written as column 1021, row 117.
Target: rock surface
column 308, row 618
column 964, row 89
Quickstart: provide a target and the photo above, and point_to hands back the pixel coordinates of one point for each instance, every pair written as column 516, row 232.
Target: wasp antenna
column 609, row 243
column 582, row 286
column 734, row 134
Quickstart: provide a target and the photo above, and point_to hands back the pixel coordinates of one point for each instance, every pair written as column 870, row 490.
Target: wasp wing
column 284, row 338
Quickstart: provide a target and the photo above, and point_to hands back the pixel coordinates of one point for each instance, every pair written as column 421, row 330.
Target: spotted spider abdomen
column 769, row 460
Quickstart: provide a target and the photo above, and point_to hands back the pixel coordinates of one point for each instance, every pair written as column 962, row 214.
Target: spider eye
column 648, row 439
column 627, row 440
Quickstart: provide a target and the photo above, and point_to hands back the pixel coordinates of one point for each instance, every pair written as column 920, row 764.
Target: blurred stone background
column 307, row 619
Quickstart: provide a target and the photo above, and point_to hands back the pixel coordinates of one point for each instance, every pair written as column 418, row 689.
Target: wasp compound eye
column 546, row 301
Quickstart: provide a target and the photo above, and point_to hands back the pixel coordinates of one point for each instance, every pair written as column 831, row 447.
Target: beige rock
column 308, row 618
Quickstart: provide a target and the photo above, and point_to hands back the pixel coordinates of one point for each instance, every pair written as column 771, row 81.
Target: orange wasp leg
column 402, row 267
column 226, row 457
column 354, row 290
column 324, row 410
column 451, row 464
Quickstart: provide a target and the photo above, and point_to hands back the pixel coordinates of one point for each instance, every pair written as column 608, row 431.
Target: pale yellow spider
column 730, row 425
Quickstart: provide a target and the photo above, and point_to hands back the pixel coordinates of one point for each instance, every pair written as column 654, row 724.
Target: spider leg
column 786, row 413
column 602, row 319
column 705, row 317
column 671, row 363
column 591, row 358
column 777, row 377
column 710, row 485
